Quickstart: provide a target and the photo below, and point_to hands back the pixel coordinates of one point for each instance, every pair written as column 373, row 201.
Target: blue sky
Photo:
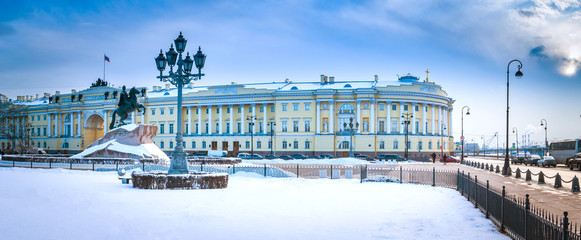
column 48, row 46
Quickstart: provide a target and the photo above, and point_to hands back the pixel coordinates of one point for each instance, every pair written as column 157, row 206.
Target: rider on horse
column 127, row 104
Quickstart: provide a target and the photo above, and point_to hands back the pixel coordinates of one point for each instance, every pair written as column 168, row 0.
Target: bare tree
column 13, row 125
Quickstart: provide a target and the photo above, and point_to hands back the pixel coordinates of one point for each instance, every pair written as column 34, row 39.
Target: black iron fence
column 558, row 181
column 517, row 217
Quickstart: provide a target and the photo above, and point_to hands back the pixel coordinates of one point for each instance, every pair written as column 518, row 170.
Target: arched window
column 346, row 108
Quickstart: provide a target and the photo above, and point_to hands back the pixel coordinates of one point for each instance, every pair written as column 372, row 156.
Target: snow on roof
column 41, row 101
column 173, row 92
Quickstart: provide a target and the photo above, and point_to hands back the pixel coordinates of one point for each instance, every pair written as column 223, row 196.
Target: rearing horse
column 127, row 104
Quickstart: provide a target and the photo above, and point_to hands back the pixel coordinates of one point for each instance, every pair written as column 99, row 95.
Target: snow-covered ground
column 63, row 204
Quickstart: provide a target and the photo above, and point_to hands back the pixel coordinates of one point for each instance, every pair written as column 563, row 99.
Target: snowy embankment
column 63, row 204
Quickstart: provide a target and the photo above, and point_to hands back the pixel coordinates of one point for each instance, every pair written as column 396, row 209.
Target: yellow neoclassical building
column 279, row 117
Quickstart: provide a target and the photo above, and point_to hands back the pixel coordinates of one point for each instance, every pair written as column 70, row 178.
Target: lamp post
column 462, row 137
column 272, row 124
column 483, row 145
column 442, row 141
column 515, row 130
column 518, row 74
column 406, row 122
column 496, row 135
column 28, row 140
column 352, row 129
column 183, row 75
column 546, row 142
column 251, row 120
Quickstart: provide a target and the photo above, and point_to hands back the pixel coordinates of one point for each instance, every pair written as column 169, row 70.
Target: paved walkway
column 543, row 196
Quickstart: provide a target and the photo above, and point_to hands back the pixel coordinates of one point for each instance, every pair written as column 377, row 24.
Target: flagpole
column 103, row 67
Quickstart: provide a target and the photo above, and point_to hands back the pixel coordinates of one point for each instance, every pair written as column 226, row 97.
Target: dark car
column 390, row 157
column 365, row 157
column 327, row 156
column 256, row 156
column 298, row 156
column 547, row 161
column 314, row 157
column 271, row 156
column 519, row 159
column 285, row 157
column 533, row 160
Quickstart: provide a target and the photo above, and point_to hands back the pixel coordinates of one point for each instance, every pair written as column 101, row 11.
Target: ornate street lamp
column 462, row 137
column 442, row 141
column 514, row 130
column 179, row 78
column 251, row 120
column 352, row 129
column 546, row 142
column 518, row 74
column 272, row 124
column 406, row 122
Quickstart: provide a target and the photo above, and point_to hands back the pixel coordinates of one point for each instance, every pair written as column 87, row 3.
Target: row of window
column 171, row 110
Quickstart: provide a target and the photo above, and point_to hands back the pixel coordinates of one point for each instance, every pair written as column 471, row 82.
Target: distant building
column 306, row 117
column 471, row 148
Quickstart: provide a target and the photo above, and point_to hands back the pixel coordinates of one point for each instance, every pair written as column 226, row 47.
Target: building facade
column 280, row 117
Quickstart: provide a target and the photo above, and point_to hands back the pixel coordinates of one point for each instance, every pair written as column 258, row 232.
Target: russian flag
column 107, row 58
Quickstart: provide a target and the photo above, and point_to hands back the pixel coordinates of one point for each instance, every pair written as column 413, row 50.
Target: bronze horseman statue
column 127, row 104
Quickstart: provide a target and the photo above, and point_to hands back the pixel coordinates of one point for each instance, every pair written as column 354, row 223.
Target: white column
column 72, row 126
column 264, row 117
column 143, row 117
column 358, row 118
column 57, row 123
column 49, row 125
column 199, row 120
column 413, row 123
column 388, row 117
column 190, row 125
column 331, row 116
column 210, row 123
column 372, row 117
column 242, row 117
column 433, row 120
column 220, row 120
column 80, row 119
column 106, row 124
column 318, row 117
column 424, row 119
column 133, row 117
column 400, row 124
column 450, row 122
column 231, row 119
column 253, row 115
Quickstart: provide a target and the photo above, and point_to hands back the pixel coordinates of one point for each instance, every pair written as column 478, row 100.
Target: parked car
column 244, row 155
column 314, row 157
column 327, row 156
column 271, row 156
column 365, row 157
column 449, row 159
column 533, row 160
column 256, row 156
column 298, row 156
column 547, row 161
column 519, row 159
column 390, row 157
column 285, row 157
column 574, row 161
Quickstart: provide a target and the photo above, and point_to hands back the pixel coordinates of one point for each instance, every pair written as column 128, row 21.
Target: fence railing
column 515, row 216
column 558, row 181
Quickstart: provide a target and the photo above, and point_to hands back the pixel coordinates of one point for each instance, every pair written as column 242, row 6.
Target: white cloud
column 499, row 30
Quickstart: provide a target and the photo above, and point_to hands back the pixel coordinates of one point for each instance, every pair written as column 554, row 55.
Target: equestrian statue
column 127, row 104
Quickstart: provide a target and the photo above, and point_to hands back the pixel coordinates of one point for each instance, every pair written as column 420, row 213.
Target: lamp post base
column 179, row 163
